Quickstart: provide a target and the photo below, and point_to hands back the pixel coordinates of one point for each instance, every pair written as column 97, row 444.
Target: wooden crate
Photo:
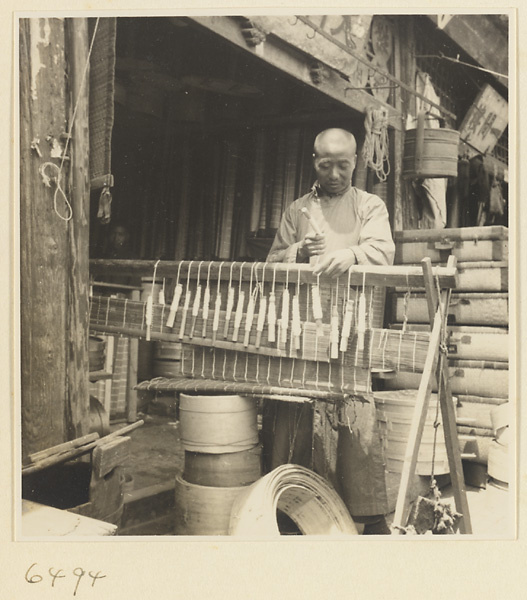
column 465, row 309
column 468, row 244
column 472, row 343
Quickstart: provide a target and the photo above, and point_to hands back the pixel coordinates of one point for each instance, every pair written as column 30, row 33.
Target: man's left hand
column 335, row 263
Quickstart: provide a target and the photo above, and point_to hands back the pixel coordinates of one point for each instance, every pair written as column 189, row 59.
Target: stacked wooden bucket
column 478, row 317
column 394, row 417
column 222, row 457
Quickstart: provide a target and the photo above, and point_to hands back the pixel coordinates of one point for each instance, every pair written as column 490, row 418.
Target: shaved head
column 334, row 140
column 334, row 158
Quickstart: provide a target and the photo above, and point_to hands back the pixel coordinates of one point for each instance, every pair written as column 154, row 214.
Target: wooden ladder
column 435, row 364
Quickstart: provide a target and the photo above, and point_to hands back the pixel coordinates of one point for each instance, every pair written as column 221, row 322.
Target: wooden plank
column 418, row 423
column 76, row 262
column 384, row 276
column 493, row 232
column 292, row 61
column 451, row 436
column 110, row 455
column 432, row 299
column 43, row 237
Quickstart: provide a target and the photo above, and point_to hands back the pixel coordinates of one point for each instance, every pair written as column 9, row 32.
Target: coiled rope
column 375, row 149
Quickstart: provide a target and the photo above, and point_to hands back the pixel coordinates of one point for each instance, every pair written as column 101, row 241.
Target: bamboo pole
column 77, row 399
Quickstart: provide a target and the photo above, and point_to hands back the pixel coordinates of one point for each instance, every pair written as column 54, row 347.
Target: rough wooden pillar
column 52, row 312
column 43, row 236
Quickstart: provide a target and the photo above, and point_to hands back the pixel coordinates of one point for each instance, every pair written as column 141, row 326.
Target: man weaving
column 353, row 228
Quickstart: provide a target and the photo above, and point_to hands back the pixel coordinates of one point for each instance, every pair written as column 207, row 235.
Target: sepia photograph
column 264, row 277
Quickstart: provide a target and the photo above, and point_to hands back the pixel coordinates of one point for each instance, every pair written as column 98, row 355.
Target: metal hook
column 311, row 37
column 294, row 22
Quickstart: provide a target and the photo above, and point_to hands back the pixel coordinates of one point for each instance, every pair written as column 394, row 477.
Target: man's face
column 334, row 165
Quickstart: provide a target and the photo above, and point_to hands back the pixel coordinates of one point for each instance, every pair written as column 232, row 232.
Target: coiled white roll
column 301, row 494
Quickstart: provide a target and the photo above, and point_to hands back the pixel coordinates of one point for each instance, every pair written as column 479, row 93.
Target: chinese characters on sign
column 485, row 121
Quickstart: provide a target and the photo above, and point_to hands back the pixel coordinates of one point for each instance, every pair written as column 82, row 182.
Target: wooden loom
column 268, row 328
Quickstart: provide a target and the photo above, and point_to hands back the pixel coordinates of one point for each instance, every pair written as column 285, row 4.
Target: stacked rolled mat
column 222, row 457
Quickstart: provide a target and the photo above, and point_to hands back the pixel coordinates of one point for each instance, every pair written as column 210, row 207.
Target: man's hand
column 336, row 263
column 312, row 245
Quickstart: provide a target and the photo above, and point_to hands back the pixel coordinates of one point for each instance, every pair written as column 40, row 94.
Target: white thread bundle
column 149, row 315
column 216, row 320
column 186, row 305
column 361, row 324
column 162, row 294
column 261, row 319
column 346, row 325
column 238, row 315
column 284, row 321
column 317, row 306
column 228, row 310
column 296, row 323
column 271, row 318
column 334, row 333
column 175, row 304
column 206, row 308
column 249, row 319
column 195, row 309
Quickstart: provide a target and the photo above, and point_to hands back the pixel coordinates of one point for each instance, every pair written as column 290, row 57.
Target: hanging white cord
column 46, row 178
column 376, row 148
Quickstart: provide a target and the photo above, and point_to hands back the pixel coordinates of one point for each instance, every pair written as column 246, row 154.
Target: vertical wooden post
column 77, row 403
column 43, row 236
column 397, row 138
column 131, row 394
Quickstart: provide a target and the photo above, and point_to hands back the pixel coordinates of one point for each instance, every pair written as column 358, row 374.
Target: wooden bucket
column 223, row 470
column 429, row 152
column 166, row 360
column 498, row 462
column 394, row 416
column 218, row 424
column 96, row 355
column 203, row 510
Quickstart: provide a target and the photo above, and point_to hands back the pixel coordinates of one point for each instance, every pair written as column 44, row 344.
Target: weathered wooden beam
column 278, row 53
column 384, row 276
column 43, row 235
column 481, row 39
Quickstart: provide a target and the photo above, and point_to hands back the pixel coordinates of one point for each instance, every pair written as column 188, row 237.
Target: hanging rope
column 375, row 149
column 47, row 179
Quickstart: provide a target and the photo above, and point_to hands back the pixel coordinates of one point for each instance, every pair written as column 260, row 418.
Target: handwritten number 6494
column 55, row 574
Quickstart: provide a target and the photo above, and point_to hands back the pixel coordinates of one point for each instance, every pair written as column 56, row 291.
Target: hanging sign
column 486, row 120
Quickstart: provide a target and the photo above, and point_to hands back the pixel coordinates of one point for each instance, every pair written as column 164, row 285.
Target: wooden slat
column 384, row 276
